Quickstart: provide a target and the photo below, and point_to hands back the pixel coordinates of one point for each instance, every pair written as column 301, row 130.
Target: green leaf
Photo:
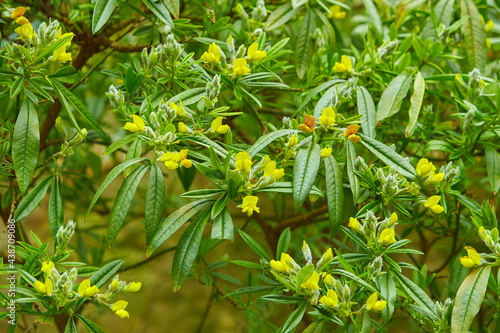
column 417, row 294
column 265, row 140
column 283, row 242
column 493, row 166
column 294, row 318
column 366, row 108
column 280, row 16
column 118, row 144
column 334, row 193
column 70, row 326
column 56, row 212
column 416, row 103
column 253, row 245
column 25, row 145
column 304, row 45
column 218, row 206
column 123, row 201
column 82, row 109
column 373, row 15
column 355, row 278
column 187, row 249
column 222, row 227
column 443, row 11
column 305, row 170
column 67, row 74
column 387, row 288
column 102, row 12
column 469, row 299
column 315, row 91
column 160, row 11
column 188, row 97
column 48, row 50
column 155, row 201
column 173, row 222
column 389, row 156
column 32, row 200
column 16, row 87
column 110, row 177
column 304, row 274
column 393, row 96
column 105, row 273
column 324, row 102
column 173, row 7
column 89, row 325
column 474, row 35
column 202, row 194
column 287, row 188
column 350, row 164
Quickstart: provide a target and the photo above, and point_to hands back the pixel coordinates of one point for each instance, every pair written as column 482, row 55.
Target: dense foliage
column 352, row 145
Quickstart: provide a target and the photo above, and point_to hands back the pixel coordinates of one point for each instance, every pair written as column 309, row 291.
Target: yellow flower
column 179, row 110
column 172, row 160
column 425, row 168
column 47, row 267
column 336, row 13
column 114, row 284
column 354, row 224
column 137, row 125
column 240, row 67
column 119, row 308
column 182, row 158
column 331, row 300
column 432, row 204
column 328, row 255
column 489, row 26
column 293, row 141
column 243, row 162
column 278, row 266
column 61, row 55
column 394, row 218
column 472, row 259
column 387, row 236
column 309, row 124
column 217, row 126
column 372, row 303
column 327, row 117
column 438, row 177
column 182, row 127
column 213, row 54
column 488, row 43
column 254, row 53
column 345, row 65
column 326, row 152
column 25, row 31
column 270, row 170
column 328, row 279
column 44, row 288
column 249, row 205
column 312, row 283
column 284, row 265
column 133, row 287
column 18, row 12
column 61, row 35
column 85, row 290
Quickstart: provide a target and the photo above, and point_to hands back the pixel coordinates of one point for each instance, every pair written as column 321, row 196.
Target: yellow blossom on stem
column 249, row 205
column 179, row 109
column 472, row 259
column 331, row 300
column 326, row 152
column 345, row 65
column 240, row 67
column 60, row 35
column 293, row 141
column 425, row 168
column 181, row 127
column 372, row 303
column 137, row 125
column 182, row 158
column 243, row 162
column 119, row 308
column 309, row 124
column 270, row 170
column 432, row 204
column 213, row 54
column 489, row 26
column 172, row 160
column 44, row 288
column 61, row 55
column 394, row 219
column 283, row 265
column 47, row 267
column 217, row 126
column 86, row 290
column 328, row 255
column 254, row 54
column 327, row 117
column 25, row 31
column 18, row 12
column 312, row 283
column 387, row 236
column 354, row 224
column 336, row 13
column 438, row 177
column 133, row 287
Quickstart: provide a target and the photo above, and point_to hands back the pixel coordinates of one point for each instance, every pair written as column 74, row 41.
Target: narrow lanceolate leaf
column 443, row 11
column 366, row 108
column 265, row 140
column 32, row 200
column 324, row 102
column 334, row 193
column 173, row 7
column 393, row 96
column 173, row 222
column 280, row 16
column 110, row 177
column 56, row 213
column 186, row 251
column 417, row 294
column 388, row 291
column 304, row 172
column 155, row 200
column 254, row 245
column 123, row 201
column 474, row 35
column 416, row 103
column 89, row 325
column 283, row 242
column 25, row 145
column 389, row 156
column 222, row 227
column 304, row 45
column 70, row 326
column 160, row 11
column 372, row 12
column 493, row 167
column 350, row 165
column 294, row 318
column 102, row 12
column 469, row 299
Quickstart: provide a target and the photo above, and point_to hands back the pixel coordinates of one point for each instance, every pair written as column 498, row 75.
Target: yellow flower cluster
column 336, row 13
column 433, row 204
column 25, row 31
column 217, row 126
column 254, row 54
column 213, row 54
column 426, row 170
column 345, row 65
column 284, row 265
column 271, row 171
column 86, row 290
column 472, row 259
column 44, row 288
column 60, row 54
column 137, row 124
column 373, row 303
column 172, row 160
column 330, row 300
